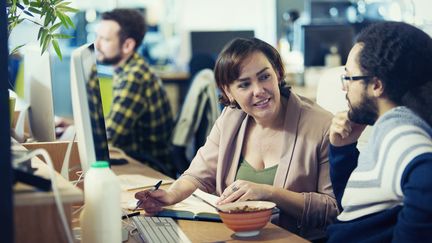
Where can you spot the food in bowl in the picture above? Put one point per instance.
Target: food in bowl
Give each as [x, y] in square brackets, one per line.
[246, 218]
[245, 208]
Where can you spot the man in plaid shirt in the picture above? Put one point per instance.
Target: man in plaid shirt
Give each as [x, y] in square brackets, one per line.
[140, 120]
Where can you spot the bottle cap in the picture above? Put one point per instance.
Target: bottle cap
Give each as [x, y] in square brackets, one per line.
[100, 164]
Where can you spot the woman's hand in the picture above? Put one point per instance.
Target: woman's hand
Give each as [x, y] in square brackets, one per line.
[343, 131]
[245, 190]
[153, 201]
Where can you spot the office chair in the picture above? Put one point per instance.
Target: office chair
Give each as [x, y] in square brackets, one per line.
[199, 112]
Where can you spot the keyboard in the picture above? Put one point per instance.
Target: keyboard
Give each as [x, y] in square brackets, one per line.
[159, 230]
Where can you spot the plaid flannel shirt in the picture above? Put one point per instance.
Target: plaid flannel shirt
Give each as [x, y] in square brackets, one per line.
[140, 120]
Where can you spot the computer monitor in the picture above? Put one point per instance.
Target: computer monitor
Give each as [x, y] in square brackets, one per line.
[38, 93]
[318, 39]
[87, 107]
[212, 42]
[6, 196]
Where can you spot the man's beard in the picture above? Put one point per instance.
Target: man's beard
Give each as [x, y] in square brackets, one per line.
[364, 113]
[110, 61]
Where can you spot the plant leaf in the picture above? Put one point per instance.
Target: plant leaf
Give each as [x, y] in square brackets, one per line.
[20, 6]
[39, 33]
[57, 48]
[46, 43]
[13, 8]
[47, 20]
[54, 27]
[62, 18]
[43, 36]
[63, 4]
[16, 49]
[34, 10]
[67, 9]
[69, 21]
[62, 36]
[28, 13]
[35, 4]
[53, 15]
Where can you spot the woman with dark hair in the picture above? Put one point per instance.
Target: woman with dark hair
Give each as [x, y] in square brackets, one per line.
[385, 191]
[263, 146]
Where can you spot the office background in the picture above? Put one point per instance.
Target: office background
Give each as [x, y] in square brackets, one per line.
[305, 32]
[295, 27]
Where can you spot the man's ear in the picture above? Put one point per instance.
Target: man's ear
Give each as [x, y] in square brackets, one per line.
[128, 46]
[377, 87]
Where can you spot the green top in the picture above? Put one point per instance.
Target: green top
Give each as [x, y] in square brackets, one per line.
[248, 173]
[100, 164]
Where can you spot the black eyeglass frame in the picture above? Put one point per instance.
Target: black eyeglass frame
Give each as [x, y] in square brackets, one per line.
[345, 78]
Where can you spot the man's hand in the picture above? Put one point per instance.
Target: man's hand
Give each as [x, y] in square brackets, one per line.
[61, 124]
[343, 131]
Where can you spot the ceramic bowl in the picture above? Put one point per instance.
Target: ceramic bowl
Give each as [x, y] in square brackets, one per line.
[246, 218]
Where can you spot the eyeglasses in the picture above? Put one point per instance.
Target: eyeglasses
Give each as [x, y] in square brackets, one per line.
[345, 79]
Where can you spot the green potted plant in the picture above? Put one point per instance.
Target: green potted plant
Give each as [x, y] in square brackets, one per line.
[48, 15]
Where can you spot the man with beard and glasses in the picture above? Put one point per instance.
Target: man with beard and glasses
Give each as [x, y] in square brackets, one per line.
[384, 192]
[140, 120]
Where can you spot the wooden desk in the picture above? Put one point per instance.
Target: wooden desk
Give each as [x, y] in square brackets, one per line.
[201, 231]
[218, 232]
[36, 217]
[173, 76]
[35, 213]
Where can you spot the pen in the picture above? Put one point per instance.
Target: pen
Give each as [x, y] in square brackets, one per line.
[154, 188]
[130, 215]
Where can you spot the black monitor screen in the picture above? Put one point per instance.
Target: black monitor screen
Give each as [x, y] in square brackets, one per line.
[317, 40]
[212, 42]
[96, 114]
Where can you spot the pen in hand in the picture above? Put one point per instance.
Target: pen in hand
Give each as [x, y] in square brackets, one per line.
[154, 188]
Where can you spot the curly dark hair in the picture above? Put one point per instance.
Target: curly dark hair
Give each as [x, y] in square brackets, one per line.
[132, 24]
[228, 64]
[400, 55]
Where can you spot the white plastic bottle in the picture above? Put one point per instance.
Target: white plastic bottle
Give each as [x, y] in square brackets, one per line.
[101, 217]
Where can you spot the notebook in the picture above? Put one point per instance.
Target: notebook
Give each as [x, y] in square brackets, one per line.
[195, 207]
